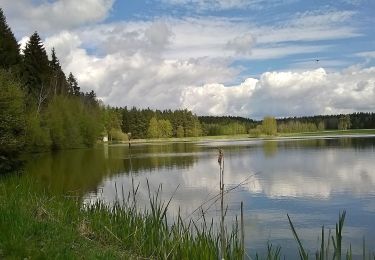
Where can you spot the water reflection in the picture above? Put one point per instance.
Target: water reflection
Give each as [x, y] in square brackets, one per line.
[270, 148]
[311, 179]
[83, 170]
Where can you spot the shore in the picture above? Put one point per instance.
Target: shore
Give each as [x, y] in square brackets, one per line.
[243, 137]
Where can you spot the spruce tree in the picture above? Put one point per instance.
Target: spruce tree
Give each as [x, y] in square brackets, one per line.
[58, 80]
[36, 72]
[90, 98]
[54, 63]
[73, 85]
[9, 48]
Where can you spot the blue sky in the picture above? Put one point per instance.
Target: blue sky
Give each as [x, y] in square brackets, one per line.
[219, 57]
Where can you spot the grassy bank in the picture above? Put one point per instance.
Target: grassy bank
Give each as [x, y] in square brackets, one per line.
[331, 133]
[247, 136]
[36, 224]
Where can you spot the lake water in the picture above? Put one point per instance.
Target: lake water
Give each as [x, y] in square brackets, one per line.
[310, 179]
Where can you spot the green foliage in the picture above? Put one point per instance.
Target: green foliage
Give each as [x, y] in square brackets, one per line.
[112, 121]
[180, 132]
[118, 135]
[331, 122]
[38, 113]
[344, 123]
[159, 128]
[59, 83]
[73, 88]
[137, 122]
[153, 129]
[12, 119]
[324, 252]
[226, 125]
[256, 132]
[36, 71]
[298, 127]
[38, 224]
[321, 126]
[165, 128]
[9, 49]
[71, 124]
[232, 128]
[269, 126]
[37, 135]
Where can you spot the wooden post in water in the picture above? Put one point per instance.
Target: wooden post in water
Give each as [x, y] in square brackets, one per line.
[242, 233]
[129, 138]
[222, 229]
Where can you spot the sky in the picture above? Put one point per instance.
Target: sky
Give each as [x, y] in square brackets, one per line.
[248, 58]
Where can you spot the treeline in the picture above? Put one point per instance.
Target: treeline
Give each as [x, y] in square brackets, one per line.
[327, 122]
[272, 126]
[226, 125]
[40, 107]
[148, 123]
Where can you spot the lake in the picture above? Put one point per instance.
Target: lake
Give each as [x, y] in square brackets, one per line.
[311, 179]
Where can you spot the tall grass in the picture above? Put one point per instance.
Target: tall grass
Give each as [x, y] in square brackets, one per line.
[37, 224]
[325, 252]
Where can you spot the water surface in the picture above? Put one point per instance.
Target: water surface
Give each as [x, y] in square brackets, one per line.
[310, 179]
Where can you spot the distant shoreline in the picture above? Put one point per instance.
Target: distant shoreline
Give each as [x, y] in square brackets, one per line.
[247, 137]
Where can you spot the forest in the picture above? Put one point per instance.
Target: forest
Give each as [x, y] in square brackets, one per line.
[43, 108]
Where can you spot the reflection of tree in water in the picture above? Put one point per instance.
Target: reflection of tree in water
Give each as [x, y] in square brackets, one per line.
[81, 171]
[270, 148]
[156, 156]
[342, 142]
[75, 171]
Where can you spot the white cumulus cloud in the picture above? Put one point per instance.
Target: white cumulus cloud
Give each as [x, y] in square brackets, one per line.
[27, 16]
[288, 94]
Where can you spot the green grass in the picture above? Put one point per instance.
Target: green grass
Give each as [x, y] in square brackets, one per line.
[247, 136]
[35, 224]
[331, 133]
[190, 139]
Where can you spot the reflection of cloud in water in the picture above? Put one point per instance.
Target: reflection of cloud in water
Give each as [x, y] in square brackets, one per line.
[315, 173]
[313, 180]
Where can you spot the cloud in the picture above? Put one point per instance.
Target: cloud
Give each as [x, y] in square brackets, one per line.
[288, 94]
[244, 39]
[241, 44]
[367, 54]
[216, 99]
[310, 26]
[204, 5]
[26, 16]
[140, 77]
[186, 63]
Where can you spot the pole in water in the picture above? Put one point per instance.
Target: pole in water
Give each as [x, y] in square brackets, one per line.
[129, 138]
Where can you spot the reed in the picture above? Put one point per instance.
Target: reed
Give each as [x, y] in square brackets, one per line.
[35, 223]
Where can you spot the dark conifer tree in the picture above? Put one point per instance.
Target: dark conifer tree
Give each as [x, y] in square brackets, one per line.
[55, 64]
[36, 71]
[58, 80]
[90, 98]
[9, 48]
[74, 89]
